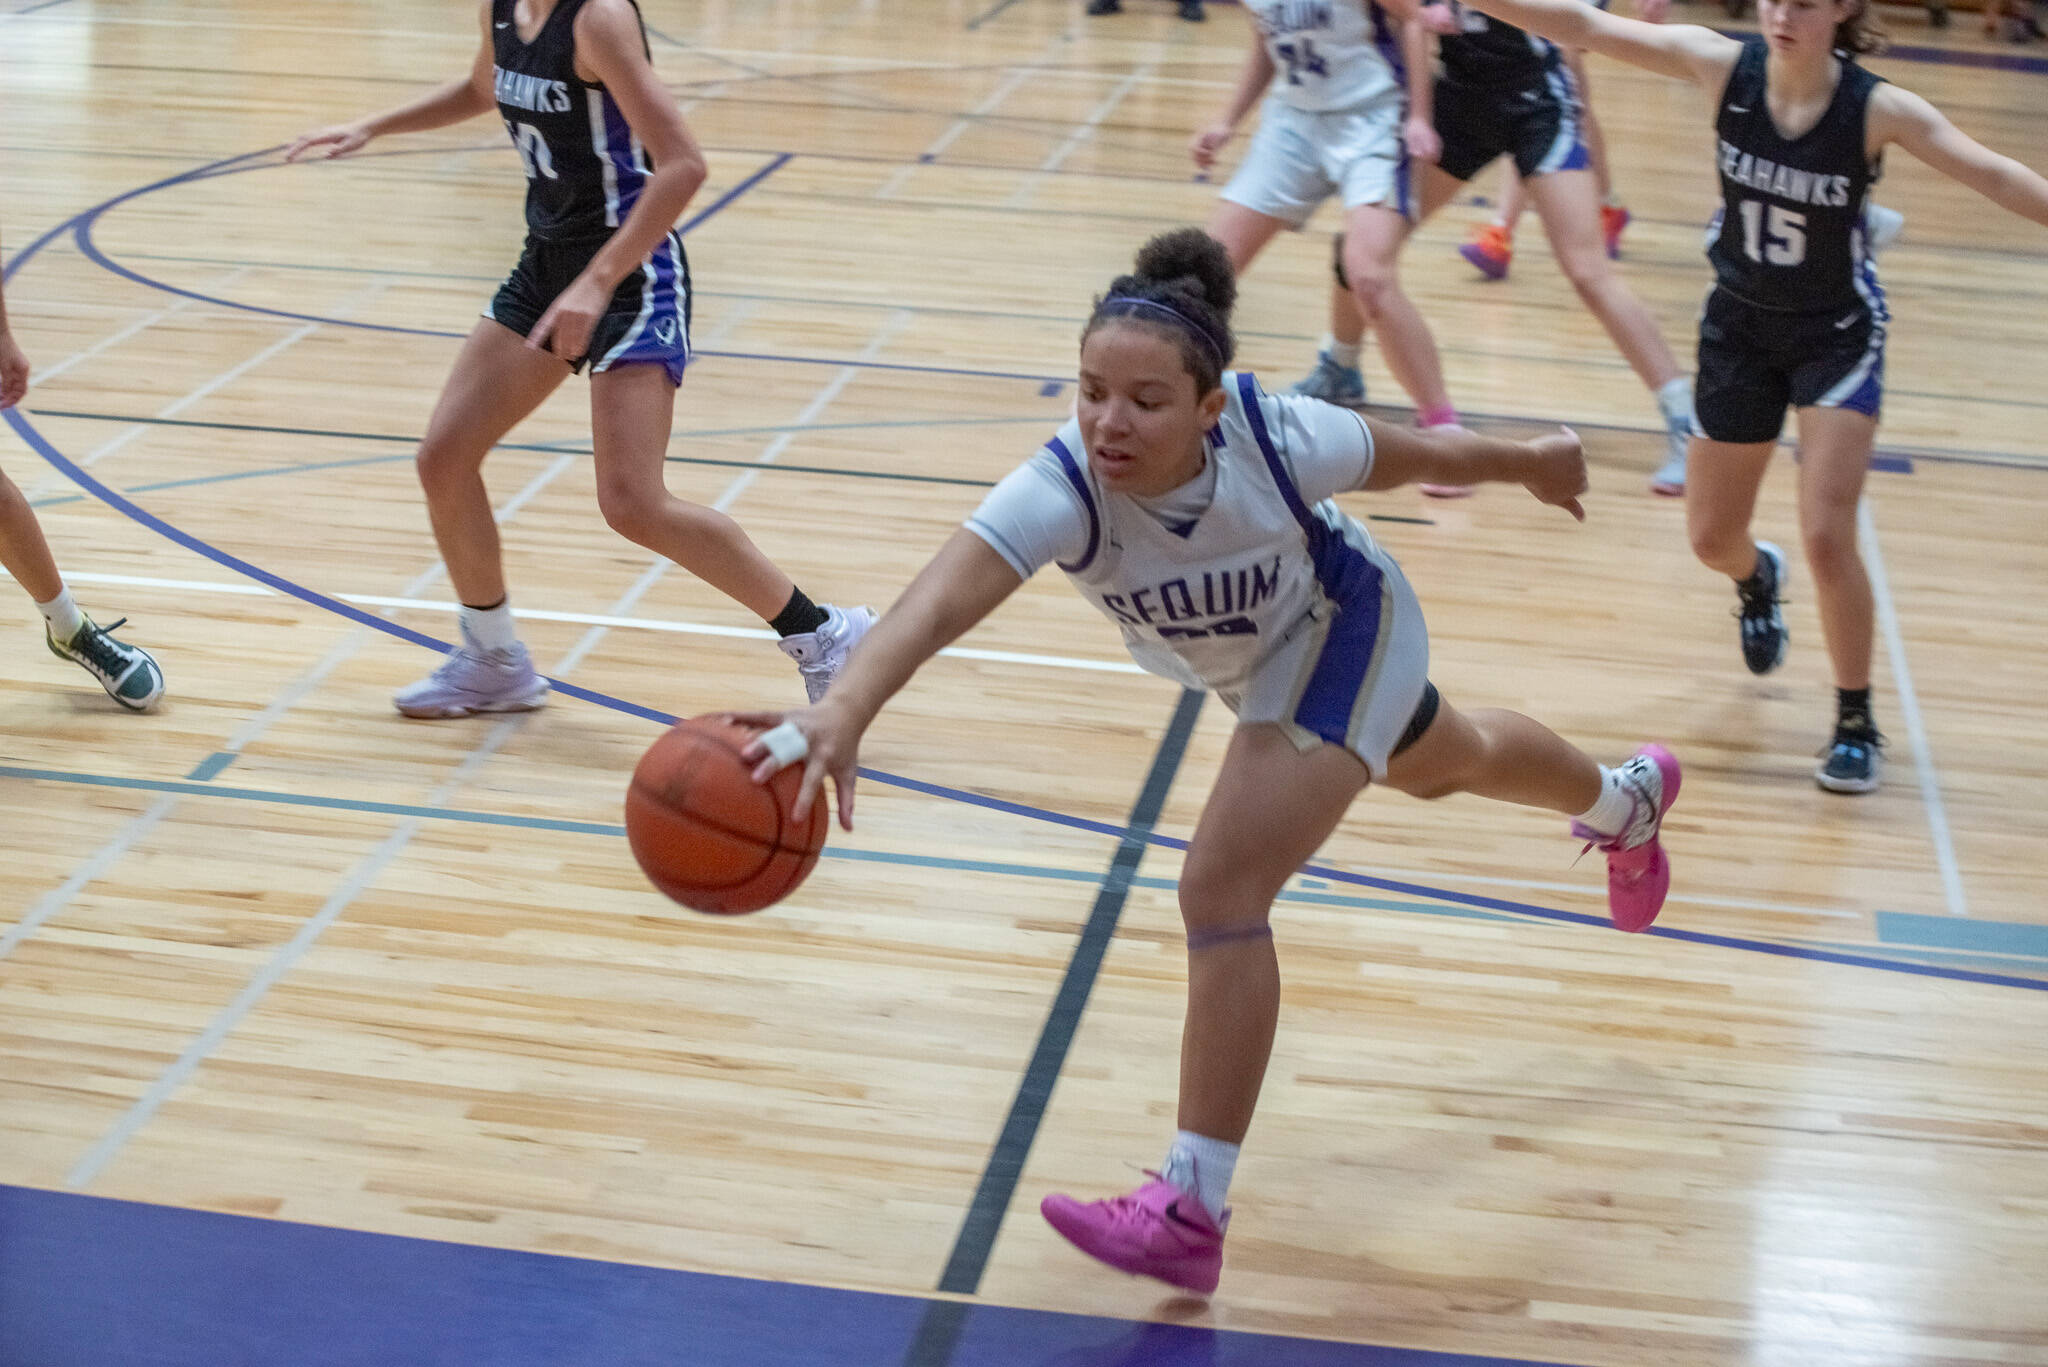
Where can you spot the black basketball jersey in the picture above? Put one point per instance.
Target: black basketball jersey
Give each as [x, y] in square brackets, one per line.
[584, 167]
[1790, 231]
[1489, 54]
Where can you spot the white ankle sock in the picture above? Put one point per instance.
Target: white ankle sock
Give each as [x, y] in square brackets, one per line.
[1674, 401]
[63, 616]
[1202, 1166]
[490, 628]
[1610, 814]
[1343, 353]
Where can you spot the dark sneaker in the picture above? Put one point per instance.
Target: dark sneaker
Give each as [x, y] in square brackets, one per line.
[130, 674]
[1105, 7]
[1332, 382]
[1191, 10]
[1763, 611]
[1854, 760]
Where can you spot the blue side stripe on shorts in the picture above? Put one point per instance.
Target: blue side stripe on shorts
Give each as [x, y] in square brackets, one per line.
[1072, 471]
[1348, 578]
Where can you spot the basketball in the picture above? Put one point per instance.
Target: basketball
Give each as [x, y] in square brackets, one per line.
[709, 836]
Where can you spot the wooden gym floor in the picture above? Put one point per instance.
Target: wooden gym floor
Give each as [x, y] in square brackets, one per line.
[276, 952]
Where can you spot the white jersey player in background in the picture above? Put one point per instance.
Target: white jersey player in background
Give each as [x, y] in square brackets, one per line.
[1338, 120]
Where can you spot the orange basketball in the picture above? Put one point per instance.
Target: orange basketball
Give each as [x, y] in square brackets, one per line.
[709, 836]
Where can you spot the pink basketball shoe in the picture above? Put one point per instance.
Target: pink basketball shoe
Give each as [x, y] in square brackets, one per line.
[1156, 1231]
[1638, 874]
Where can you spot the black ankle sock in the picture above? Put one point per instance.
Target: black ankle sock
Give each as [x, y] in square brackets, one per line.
[1759, 578]
[798, 616]
[1852, 710]
[489, 607]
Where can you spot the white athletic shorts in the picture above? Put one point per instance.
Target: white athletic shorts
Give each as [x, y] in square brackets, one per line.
[1298, 159]
[1352, 678]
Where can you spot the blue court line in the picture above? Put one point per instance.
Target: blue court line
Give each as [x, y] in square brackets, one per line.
[86, 1281]
[198, 784]
[1907, 933]
[1885, 461]
[210, 767]
[1947, 932]
[46, 4]
[83, 479]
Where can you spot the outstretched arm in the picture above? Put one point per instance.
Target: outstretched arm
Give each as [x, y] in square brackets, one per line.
[1902, 117]
[964, 583]
[1686, 51]
[1553, 468]
[450, 103]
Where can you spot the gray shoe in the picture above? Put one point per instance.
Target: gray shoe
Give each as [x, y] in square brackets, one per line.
[1332, 383]
[469, 680]
[821, 654]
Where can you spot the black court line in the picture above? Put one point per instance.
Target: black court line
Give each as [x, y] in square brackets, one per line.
[939, 1332]
[978, 20]
[581, 449]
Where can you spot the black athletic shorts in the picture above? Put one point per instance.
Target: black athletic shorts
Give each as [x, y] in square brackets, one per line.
[1755, 362]
[647, 322]
[1542, 128]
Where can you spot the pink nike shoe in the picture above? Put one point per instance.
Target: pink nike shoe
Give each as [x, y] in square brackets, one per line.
[1638, 874]
[1156, 1231]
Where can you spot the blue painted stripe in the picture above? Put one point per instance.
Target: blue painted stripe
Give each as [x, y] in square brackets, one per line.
[210, 767]
[1248, 399]
[1050, 389]
[1348, 578]
[91, 1282]
[196, 786]
[1950, 932]
[1072, 471]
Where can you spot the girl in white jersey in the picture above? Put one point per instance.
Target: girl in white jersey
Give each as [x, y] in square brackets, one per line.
[1194, 510]
[1337, 121]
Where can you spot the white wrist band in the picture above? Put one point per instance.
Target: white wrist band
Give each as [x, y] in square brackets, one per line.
[786, 745]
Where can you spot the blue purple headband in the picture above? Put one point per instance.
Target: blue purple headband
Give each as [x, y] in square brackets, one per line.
[1201, 333]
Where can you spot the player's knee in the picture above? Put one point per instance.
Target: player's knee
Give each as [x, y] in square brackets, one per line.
[1830, 543]
[442, 464]
[1713, 543]
[1587, 271]
[1216, 892]
[630, 508]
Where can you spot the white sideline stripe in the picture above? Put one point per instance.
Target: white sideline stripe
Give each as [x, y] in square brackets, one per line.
[1909, 708]
[60, 896]
[373, 600]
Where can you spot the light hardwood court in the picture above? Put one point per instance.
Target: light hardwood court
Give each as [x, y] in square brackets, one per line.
[276, 951]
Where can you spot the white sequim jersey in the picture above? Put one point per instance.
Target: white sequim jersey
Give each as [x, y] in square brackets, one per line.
[1204, 595]
[1330, 54]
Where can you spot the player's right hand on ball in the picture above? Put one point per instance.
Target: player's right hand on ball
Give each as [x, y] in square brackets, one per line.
[339, 140]
[822, 739]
